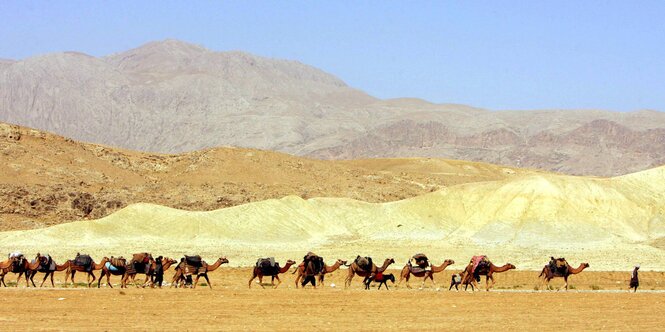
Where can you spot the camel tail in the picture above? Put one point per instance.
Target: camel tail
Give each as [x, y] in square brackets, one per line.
[542, 273]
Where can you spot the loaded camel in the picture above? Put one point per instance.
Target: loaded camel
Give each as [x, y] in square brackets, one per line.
[355, 269]
[486, 270]
[547, 274]
[18, 265]
[44, 267]
[201, 271]
[141, 262]
[407, 272]
[273, 272]
[326, 269]
[116, 267]
[73, 268]
[14, 265]
[4, 269]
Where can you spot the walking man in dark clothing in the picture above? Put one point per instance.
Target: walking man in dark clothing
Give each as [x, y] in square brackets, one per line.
[634, 281]
[159, 271]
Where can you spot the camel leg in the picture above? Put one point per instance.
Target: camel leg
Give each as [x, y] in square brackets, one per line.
[196, 281]
[321, 278]
[260, 280]
[45, 276]
[565, 279]
[250, 281]
[72, 277]
[278, 281]
[93, 278]
[207, 280]
[108, 280]
[52, 283]
[298, 277]
[408, 277]
[99, 282]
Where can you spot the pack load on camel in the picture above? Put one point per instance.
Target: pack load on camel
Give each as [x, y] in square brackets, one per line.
[479, 263]
[558, 265]
[364, 263]
[46, 263]
[418, 263]
[268, 266]
[17, 258]
[140, 263]
[313, 264]
[116, 264]
[83, 260]
[193, 265]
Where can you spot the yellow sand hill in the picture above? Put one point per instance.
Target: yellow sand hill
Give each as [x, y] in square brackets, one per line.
[608, 222]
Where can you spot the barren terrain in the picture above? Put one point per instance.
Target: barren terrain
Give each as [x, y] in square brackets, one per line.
[48, 179]
[171, 97]
[231, 306]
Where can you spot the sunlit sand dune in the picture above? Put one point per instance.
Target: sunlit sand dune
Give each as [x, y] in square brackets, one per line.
[610, 223]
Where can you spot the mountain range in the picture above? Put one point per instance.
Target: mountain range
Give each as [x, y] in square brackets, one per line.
[172, 97]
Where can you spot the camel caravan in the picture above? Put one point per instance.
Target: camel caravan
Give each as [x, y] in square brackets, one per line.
[312, 270]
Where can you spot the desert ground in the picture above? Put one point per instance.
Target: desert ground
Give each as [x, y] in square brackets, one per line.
[599, 301]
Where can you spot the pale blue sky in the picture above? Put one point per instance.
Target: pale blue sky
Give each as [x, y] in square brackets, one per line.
[491, 54]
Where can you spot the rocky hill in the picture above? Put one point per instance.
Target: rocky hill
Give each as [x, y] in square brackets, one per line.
[173, 97]
[48, 179]
[609, 223]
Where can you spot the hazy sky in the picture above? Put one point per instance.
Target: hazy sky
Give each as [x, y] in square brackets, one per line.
[491, 54]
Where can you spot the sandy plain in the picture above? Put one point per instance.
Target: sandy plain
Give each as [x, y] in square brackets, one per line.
[598, 302]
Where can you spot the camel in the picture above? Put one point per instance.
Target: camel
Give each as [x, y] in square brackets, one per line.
[141, 261]
[548, 275]
[354, 269]
[327, 269]
[406, 273]
[117, 269]
[48, 272]
[37, 266]
[6, 267]
[468, 277]
[22, 267]
[257, 272]
[206, 268]
[73, 268]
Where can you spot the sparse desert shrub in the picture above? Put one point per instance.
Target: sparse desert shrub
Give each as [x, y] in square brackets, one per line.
[595, 287]
[571, 287]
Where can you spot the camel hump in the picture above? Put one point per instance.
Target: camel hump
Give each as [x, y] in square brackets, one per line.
[268, 266]
[195, 261]
[420, 260]
[364, 263]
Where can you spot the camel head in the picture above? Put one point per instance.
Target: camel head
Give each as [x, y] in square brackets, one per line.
[169, 260]
[585, 265]
[511, 266]
[104, 260]
[290, 262]
[449, 261]
[341, 262]
[223, 260]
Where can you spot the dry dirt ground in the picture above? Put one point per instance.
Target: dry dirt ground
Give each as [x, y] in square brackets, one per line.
[232, 306]
[49, 180]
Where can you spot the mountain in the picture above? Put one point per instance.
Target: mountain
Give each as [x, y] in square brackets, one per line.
[171, 97]
[48, 179]
[609, 223]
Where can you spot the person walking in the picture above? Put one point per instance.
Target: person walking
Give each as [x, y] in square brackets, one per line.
[159, 272]
[634, 280]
